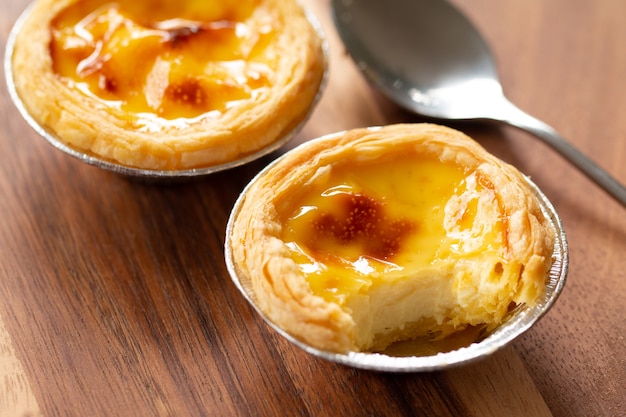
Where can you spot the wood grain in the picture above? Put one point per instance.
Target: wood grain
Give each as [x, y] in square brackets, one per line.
[115, 300]
[16, 395]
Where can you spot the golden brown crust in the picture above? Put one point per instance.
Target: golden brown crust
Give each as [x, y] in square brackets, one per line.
[90, 126]
[281, 290]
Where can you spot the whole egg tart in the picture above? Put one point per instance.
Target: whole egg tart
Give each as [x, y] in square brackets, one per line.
[368, 237]
[168, 84]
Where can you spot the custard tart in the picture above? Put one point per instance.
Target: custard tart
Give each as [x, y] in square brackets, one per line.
[168, 84]
[368, 237]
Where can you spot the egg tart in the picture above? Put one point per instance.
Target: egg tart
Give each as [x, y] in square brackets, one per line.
[168, 84]
[361, 239]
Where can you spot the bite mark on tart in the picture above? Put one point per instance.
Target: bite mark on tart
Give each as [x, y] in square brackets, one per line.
[380, 236]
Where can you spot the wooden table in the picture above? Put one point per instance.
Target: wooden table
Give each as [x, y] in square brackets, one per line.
[115, 300]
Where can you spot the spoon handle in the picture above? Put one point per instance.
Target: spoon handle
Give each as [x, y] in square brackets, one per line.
[518, 118]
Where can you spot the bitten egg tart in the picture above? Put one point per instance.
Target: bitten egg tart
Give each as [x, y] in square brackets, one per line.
[168, 84]
[362, 239]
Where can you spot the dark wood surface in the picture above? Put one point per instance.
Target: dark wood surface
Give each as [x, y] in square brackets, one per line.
[115, 300]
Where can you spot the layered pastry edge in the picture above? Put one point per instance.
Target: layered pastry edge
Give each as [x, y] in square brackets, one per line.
[91, 126]
[282, 292]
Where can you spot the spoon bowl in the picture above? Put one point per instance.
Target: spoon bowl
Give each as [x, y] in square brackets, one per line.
[426, 56]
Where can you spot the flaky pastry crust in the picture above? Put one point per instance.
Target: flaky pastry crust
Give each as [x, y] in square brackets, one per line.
[261, 256]
[294, 58]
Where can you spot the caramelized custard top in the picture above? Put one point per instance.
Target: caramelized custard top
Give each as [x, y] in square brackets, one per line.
[381, 220]
[164, 60]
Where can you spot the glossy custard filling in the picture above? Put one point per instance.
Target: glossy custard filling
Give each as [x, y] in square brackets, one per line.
[382, 221]
[167, 60]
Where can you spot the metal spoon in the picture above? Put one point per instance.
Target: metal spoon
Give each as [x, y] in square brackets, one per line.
[427, 57]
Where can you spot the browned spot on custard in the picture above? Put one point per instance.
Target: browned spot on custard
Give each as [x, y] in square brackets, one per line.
[362, 220]
[108, 84]
[174, 62]
[179, 36]
[211, 33]
[188, 92]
